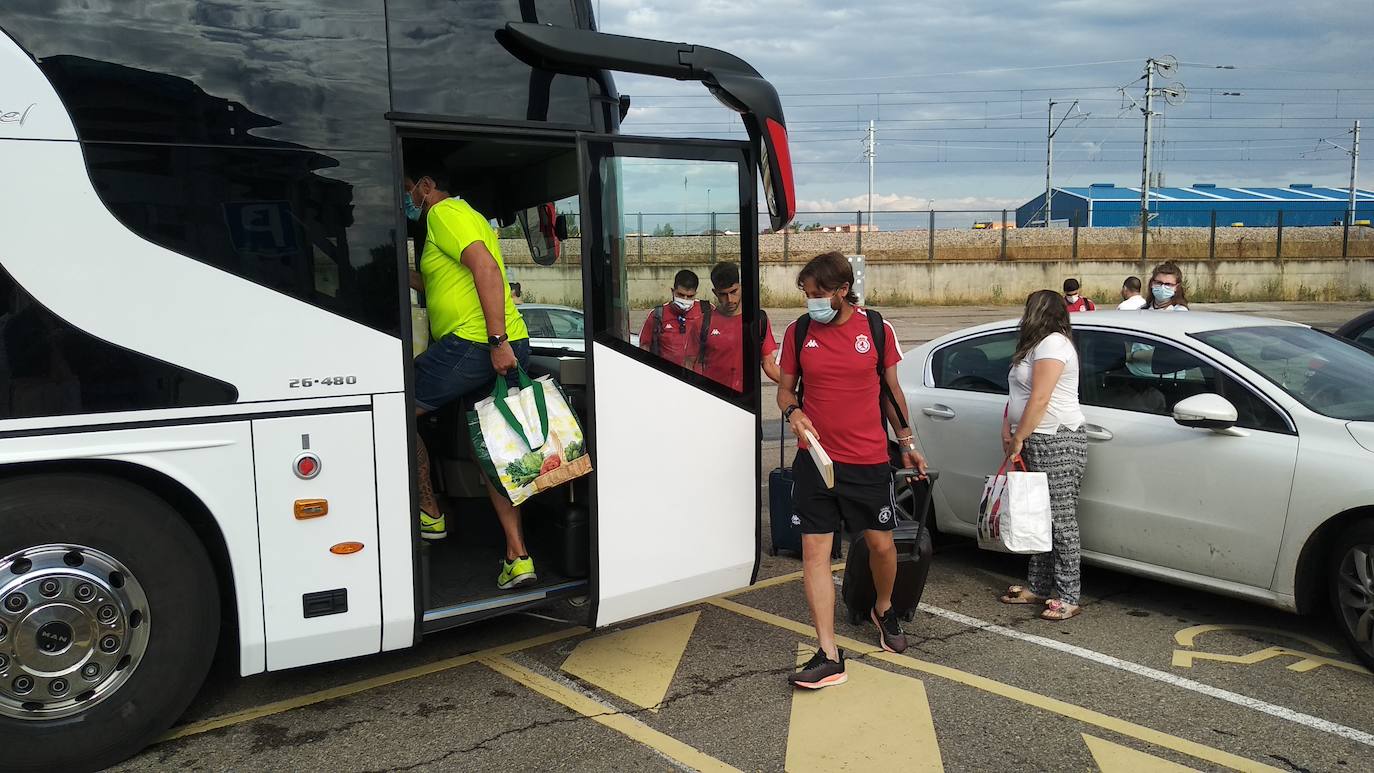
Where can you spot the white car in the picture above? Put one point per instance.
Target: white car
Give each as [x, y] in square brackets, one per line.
[1226, 452]
[556, 327]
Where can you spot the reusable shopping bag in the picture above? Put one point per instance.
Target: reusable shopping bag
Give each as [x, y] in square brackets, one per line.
[1014, 513]
[528, 439]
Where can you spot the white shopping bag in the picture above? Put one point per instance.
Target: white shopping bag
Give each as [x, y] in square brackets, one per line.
[1014, 513]
[528, 440]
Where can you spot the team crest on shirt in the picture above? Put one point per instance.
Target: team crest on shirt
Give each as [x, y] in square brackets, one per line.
[862, 344]
[885, 514]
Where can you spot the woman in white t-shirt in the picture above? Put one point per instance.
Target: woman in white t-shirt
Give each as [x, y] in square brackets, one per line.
[1166, 289]
[1044, 426]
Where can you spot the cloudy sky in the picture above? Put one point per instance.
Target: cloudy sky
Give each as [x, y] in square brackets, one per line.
[959, 90]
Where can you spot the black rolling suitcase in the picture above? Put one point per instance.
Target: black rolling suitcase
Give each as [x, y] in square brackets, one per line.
[913, 556]
[784, 522]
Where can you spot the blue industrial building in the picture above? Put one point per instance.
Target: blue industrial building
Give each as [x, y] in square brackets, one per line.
[1106, 205]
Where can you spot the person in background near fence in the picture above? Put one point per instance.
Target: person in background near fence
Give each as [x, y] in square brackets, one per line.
[844, 412]
[722, 349]
[673, 331]
[1131, 299]
[1075, 301]
[1166, 289]
[1043, 425]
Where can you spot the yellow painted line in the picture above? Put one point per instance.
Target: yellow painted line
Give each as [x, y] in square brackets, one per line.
[622, 723]
[1054, 705]
[1115, 758]
[637, 663]
[781, 579]
[879, 717]
[1188, 636]
[353, 688]
[1306, 662]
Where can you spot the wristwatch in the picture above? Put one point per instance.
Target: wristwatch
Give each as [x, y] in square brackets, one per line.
[496, 340]
[787, 414]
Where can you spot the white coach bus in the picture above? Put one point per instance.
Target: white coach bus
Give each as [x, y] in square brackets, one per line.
[206, 419]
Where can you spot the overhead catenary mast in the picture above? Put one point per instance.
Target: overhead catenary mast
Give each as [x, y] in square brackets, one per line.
[871, 153]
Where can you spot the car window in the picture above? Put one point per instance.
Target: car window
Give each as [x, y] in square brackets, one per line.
[565, 324]
[976, 364]
[1366, 338]
[1139, 374]
[537, 322]
[1325, 373]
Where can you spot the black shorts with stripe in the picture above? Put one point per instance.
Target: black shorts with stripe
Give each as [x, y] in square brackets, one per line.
[862, 497]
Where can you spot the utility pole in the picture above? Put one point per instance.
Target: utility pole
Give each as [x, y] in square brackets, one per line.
[1050, 131]
[871, 153]
[1354, 152]
[1145, 161]
[1354, 169]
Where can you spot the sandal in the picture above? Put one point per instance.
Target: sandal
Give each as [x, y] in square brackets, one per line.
[1019, 594]
[1058, 610]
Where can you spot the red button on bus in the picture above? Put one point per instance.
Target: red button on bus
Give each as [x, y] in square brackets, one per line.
[307, 466]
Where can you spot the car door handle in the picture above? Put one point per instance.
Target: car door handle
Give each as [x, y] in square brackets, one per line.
[938, 411]
[1095, 432]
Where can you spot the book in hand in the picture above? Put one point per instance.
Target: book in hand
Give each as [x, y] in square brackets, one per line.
[822, 460]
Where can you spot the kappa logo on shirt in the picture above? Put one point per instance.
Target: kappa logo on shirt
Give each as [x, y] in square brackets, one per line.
[668, 326]
[715, 332]
[811, 344]
[862, 344]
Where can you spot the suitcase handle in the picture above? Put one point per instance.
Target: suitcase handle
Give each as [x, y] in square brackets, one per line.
[912, 477]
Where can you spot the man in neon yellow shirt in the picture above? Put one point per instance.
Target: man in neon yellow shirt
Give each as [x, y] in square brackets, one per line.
[477, 333]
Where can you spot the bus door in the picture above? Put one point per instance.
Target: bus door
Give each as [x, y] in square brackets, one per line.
[675, 441]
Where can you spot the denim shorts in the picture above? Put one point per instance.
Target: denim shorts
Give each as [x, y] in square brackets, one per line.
[453, 368]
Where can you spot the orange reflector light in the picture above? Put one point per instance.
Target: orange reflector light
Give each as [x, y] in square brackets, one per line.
[311, 508]
[346, 548]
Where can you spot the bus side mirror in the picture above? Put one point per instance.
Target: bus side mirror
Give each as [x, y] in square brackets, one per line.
[544, 232]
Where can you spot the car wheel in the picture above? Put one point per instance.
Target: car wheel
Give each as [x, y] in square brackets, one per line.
[109, 616]
[1351, 582]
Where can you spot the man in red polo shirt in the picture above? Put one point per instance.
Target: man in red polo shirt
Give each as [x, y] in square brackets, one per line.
[723, 355]
[844, 411]
[673, 331]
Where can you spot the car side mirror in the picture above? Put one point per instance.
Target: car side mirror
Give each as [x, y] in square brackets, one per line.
[1205, 411]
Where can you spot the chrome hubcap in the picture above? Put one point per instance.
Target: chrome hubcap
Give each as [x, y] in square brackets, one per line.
[1356, 594]
[73, 627]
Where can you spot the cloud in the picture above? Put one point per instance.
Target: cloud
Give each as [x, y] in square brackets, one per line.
[959, 90]
[894, 202]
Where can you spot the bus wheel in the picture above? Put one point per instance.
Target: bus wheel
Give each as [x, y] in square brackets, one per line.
[109, 615]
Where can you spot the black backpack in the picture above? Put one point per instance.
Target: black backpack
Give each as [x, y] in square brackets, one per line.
[878, 332]
[705, 331]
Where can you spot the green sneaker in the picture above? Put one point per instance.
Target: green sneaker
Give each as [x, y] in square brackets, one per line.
[432, 528]
[516, 574]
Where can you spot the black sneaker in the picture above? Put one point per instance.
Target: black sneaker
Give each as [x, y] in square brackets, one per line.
[890, 633]
[819, 672]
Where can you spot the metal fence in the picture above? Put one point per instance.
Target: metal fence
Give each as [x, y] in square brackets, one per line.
[909, 235]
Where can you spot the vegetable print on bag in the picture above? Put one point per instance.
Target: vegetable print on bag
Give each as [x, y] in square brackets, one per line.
[528, 440]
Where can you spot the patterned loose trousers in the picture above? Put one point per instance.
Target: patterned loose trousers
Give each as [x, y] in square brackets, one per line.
[1063, 458]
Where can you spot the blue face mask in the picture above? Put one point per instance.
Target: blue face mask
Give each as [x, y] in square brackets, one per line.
[1162, 292]
[412, 212]
[821, 310]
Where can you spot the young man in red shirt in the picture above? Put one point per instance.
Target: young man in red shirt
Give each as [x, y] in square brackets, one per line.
[1075, 301]
[723, 350]
[844, 412]
[673, 331]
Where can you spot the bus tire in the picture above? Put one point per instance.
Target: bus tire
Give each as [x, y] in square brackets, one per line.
[112, 613]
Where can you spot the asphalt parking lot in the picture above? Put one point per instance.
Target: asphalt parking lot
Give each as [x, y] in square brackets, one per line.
[1150, 678]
